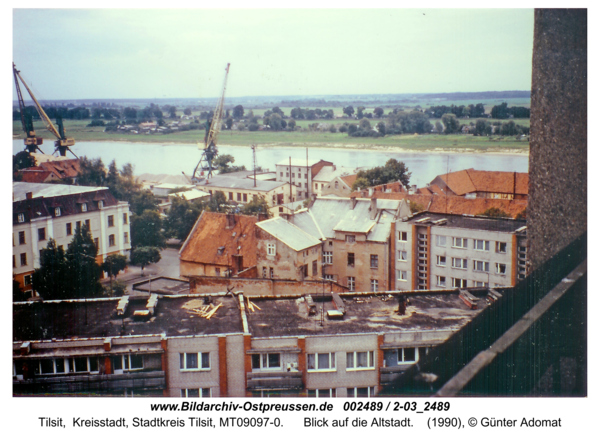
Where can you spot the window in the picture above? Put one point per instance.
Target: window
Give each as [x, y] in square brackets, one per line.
[440, 260]
[20, 218]
[336, 185]
[374, 261]
[266, 361]
[63, 366]
[280, 173]
[369, 391]
[24, 259]
[41, 234]
[111, 221]
[83, 364]
[124, 218]
[321, 361]
[84, 207]
[501, 247]
[481, 245]
[271, 273]
[87, 224]
[459, 282]
[481, 266]
[111, 240]
[357, 360]
[327, 257]
[57, 211]
[403, 236]
[194, 361]
[196, 392]
[351, 283]
[500, 268]
[21, 237]
[77, 225]
[264, 272]
[459, 263]
[306, 176]
[287, 174]
[459, 242]
[350, 238]
[408, 355]
[100, 204]
[402, 256]
[245, 197]
[97, 242]
[126, 237]
[350, 259]
[402, 275]
[440, 240]
[27, 280]
[69, 229]
[328, 277]
[321, 393]
[128, 362]
[271, 249]
[231, 196]
[440, 281]
[14, 261]
[239, 197]
[217, 272]
[305, 185]
[480, 284]
[374, 285]
[315, 269]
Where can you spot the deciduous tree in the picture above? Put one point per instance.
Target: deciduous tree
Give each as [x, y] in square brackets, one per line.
[144, 256]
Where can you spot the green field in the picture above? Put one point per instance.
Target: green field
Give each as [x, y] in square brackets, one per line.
[459, 143]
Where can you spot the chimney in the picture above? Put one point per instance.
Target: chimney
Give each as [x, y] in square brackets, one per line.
[373, 208]
[353, 200]
[29, 195]
[401, 305]
[230, 221]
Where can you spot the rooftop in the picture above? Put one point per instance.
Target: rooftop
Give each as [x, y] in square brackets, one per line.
[235, 182]
[471, 180]
[211, 241]
[299, 162]
[328, 173]
[288, 233]
[365, 313]
[20, 190]
[471, 223]
[98, 318]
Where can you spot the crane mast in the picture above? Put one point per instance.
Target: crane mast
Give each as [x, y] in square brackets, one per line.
[62, 143]
[210, 151]
[31, 141]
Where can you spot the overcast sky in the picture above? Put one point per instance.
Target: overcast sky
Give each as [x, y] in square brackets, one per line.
[76, 54]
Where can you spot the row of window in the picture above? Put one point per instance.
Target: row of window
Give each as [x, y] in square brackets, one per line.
[328, 259]
[287, 175]
[461, 282]
[478, 265]
[241, 197]
[355, 360]
[460, 242]
[368, 391]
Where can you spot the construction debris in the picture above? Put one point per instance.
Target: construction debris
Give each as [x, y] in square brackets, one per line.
[251, 306]
[197, 307]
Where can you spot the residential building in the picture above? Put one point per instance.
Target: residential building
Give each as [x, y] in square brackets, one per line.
[443, 251]
[51, 170]
[54, 211]
[326, 176]
[219, 245]
[244, 190]
[339, 186]
[319, 345]
[471, 183]
[300, 173]
[285, 251]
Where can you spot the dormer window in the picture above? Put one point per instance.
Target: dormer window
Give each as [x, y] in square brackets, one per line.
[84, 207]
[20, 218]
[100, 204]
[57, 211]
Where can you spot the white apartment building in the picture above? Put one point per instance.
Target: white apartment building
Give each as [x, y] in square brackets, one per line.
[300, 173]
[444, 251]
[54, 211]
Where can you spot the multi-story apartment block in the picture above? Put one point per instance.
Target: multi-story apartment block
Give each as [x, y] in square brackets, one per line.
[300, 173]
[230, 345]
[439, 251]
[53, 211]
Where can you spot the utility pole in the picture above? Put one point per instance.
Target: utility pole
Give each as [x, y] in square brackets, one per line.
[290, 179]
[308, 183]
[253, 147]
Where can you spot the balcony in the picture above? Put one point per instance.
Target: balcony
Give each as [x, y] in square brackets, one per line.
[90, 383]
[389, 374]
[277, 380]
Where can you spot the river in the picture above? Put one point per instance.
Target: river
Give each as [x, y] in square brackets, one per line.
[174, 158]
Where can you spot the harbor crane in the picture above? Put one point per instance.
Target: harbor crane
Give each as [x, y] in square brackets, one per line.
[62, 143]
[32, 142]
[204, 168]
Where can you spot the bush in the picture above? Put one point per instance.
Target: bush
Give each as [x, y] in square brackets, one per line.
[96, 122]
[253, 127]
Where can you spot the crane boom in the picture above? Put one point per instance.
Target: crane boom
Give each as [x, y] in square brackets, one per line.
[31, 141]
[210, 151]
[62, 143]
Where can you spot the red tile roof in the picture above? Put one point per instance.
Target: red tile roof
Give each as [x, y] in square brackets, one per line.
[211, 233]
[62, 168]
[33, 175]
[471, 180]
[349, 179]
